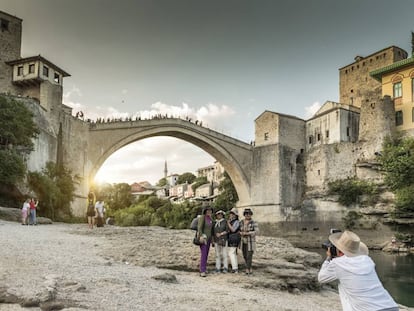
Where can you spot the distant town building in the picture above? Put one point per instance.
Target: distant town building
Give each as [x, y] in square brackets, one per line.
[213, 173]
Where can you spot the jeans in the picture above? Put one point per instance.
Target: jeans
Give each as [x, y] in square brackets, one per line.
[247, 255]
[221, 256]
[32, 217]
[233, 258]
[204, 249]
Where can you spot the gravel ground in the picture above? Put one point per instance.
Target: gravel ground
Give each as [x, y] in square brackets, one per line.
[70, 267]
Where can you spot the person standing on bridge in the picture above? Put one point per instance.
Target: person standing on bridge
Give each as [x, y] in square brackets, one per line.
[204, 231]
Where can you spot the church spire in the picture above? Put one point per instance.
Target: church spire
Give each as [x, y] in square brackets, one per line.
[165, 169]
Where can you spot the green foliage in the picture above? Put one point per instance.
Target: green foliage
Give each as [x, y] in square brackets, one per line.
[54, 188]
[350, 219]
[12, 168]
[186, 177]
[156, 212]
[162, 182]
[17, 127]
[405, 199]
[350, 189]
[397, 161]
[116, 196]
[199, 181]
[228, 197]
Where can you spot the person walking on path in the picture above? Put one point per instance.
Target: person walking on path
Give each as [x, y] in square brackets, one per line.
[32, 207]
[204, 231]
[233, 226]
[25, 212]
[248, 231]
[359, 286]
[220, 242]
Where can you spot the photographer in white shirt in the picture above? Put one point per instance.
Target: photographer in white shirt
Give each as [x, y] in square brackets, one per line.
[359, 286]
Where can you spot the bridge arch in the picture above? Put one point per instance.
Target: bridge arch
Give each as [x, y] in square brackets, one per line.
[234, 155]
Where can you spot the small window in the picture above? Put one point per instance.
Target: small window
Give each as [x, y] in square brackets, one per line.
[319, 137]
[310, 140]
[266, 136]
[398, 118]
[20, 70]
[45, 71]
[327, 133]
[397, 89]
[57, 78]
[319, 172]
[348, 131]
[412, 89]
[4, 24]
[31, 68]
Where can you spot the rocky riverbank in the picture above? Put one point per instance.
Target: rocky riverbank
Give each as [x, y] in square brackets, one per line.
[70, 267]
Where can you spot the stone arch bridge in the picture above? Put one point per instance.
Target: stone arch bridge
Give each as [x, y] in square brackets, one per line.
[255, 170]
[235, 156]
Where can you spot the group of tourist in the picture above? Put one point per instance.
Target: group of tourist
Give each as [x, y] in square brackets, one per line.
[359, 286]
[29, 212]
[227, 236]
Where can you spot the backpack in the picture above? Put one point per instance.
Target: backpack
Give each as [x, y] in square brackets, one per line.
[194, 223]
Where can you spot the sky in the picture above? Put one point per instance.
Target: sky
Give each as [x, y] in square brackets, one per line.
[220, 61]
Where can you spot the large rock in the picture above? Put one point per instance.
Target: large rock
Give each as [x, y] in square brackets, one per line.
[15, 214]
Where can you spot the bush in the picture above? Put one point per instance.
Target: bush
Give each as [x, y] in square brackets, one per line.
[350, 219]
[350, 189]
[405, 199]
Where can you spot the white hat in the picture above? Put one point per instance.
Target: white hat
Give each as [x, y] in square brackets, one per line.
[221, 212]
[349, 243]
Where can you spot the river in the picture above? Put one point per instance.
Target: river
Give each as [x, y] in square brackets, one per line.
[396, 273]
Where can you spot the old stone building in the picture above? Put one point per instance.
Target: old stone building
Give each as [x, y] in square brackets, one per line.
[355, 79]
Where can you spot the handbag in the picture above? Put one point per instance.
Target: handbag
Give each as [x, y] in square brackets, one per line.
[196, 239]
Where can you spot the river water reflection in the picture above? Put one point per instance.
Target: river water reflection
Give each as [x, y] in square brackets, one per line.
[396, 273]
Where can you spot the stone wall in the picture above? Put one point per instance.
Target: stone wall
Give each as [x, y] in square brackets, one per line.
[354, 79]
[10, 39]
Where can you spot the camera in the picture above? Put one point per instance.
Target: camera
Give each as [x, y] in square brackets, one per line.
[328, 244]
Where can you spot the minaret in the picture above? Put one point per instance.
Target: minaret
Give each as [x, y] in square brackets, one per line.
[165, 170]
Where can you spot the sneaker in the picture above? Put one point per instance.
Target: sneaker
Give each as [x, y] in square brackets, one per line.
[217, 271]
[225, 270]
[235, 271]
[203, 274]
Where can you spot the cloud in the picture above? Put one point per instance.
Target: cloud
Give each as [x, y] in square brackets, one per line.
[311, 110]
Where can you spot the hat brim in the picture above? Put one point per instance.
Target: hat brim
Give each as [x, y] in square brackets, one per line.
[334, 238]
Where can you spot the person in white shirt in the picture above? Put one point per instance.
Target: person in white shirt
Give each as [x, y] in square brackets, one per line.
[100, 211]
[359, 286]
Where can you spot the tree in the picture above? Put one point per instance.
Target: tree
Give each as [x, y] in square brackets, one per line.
[198, 182]
[397, 159]
[116, 196]
[228, 197]
[17, 129]
[162, 182]
[186, 178]
[55, 189]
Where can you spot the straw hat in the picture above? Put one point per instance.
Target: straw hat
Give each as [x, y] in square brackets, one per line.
[349, 243]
